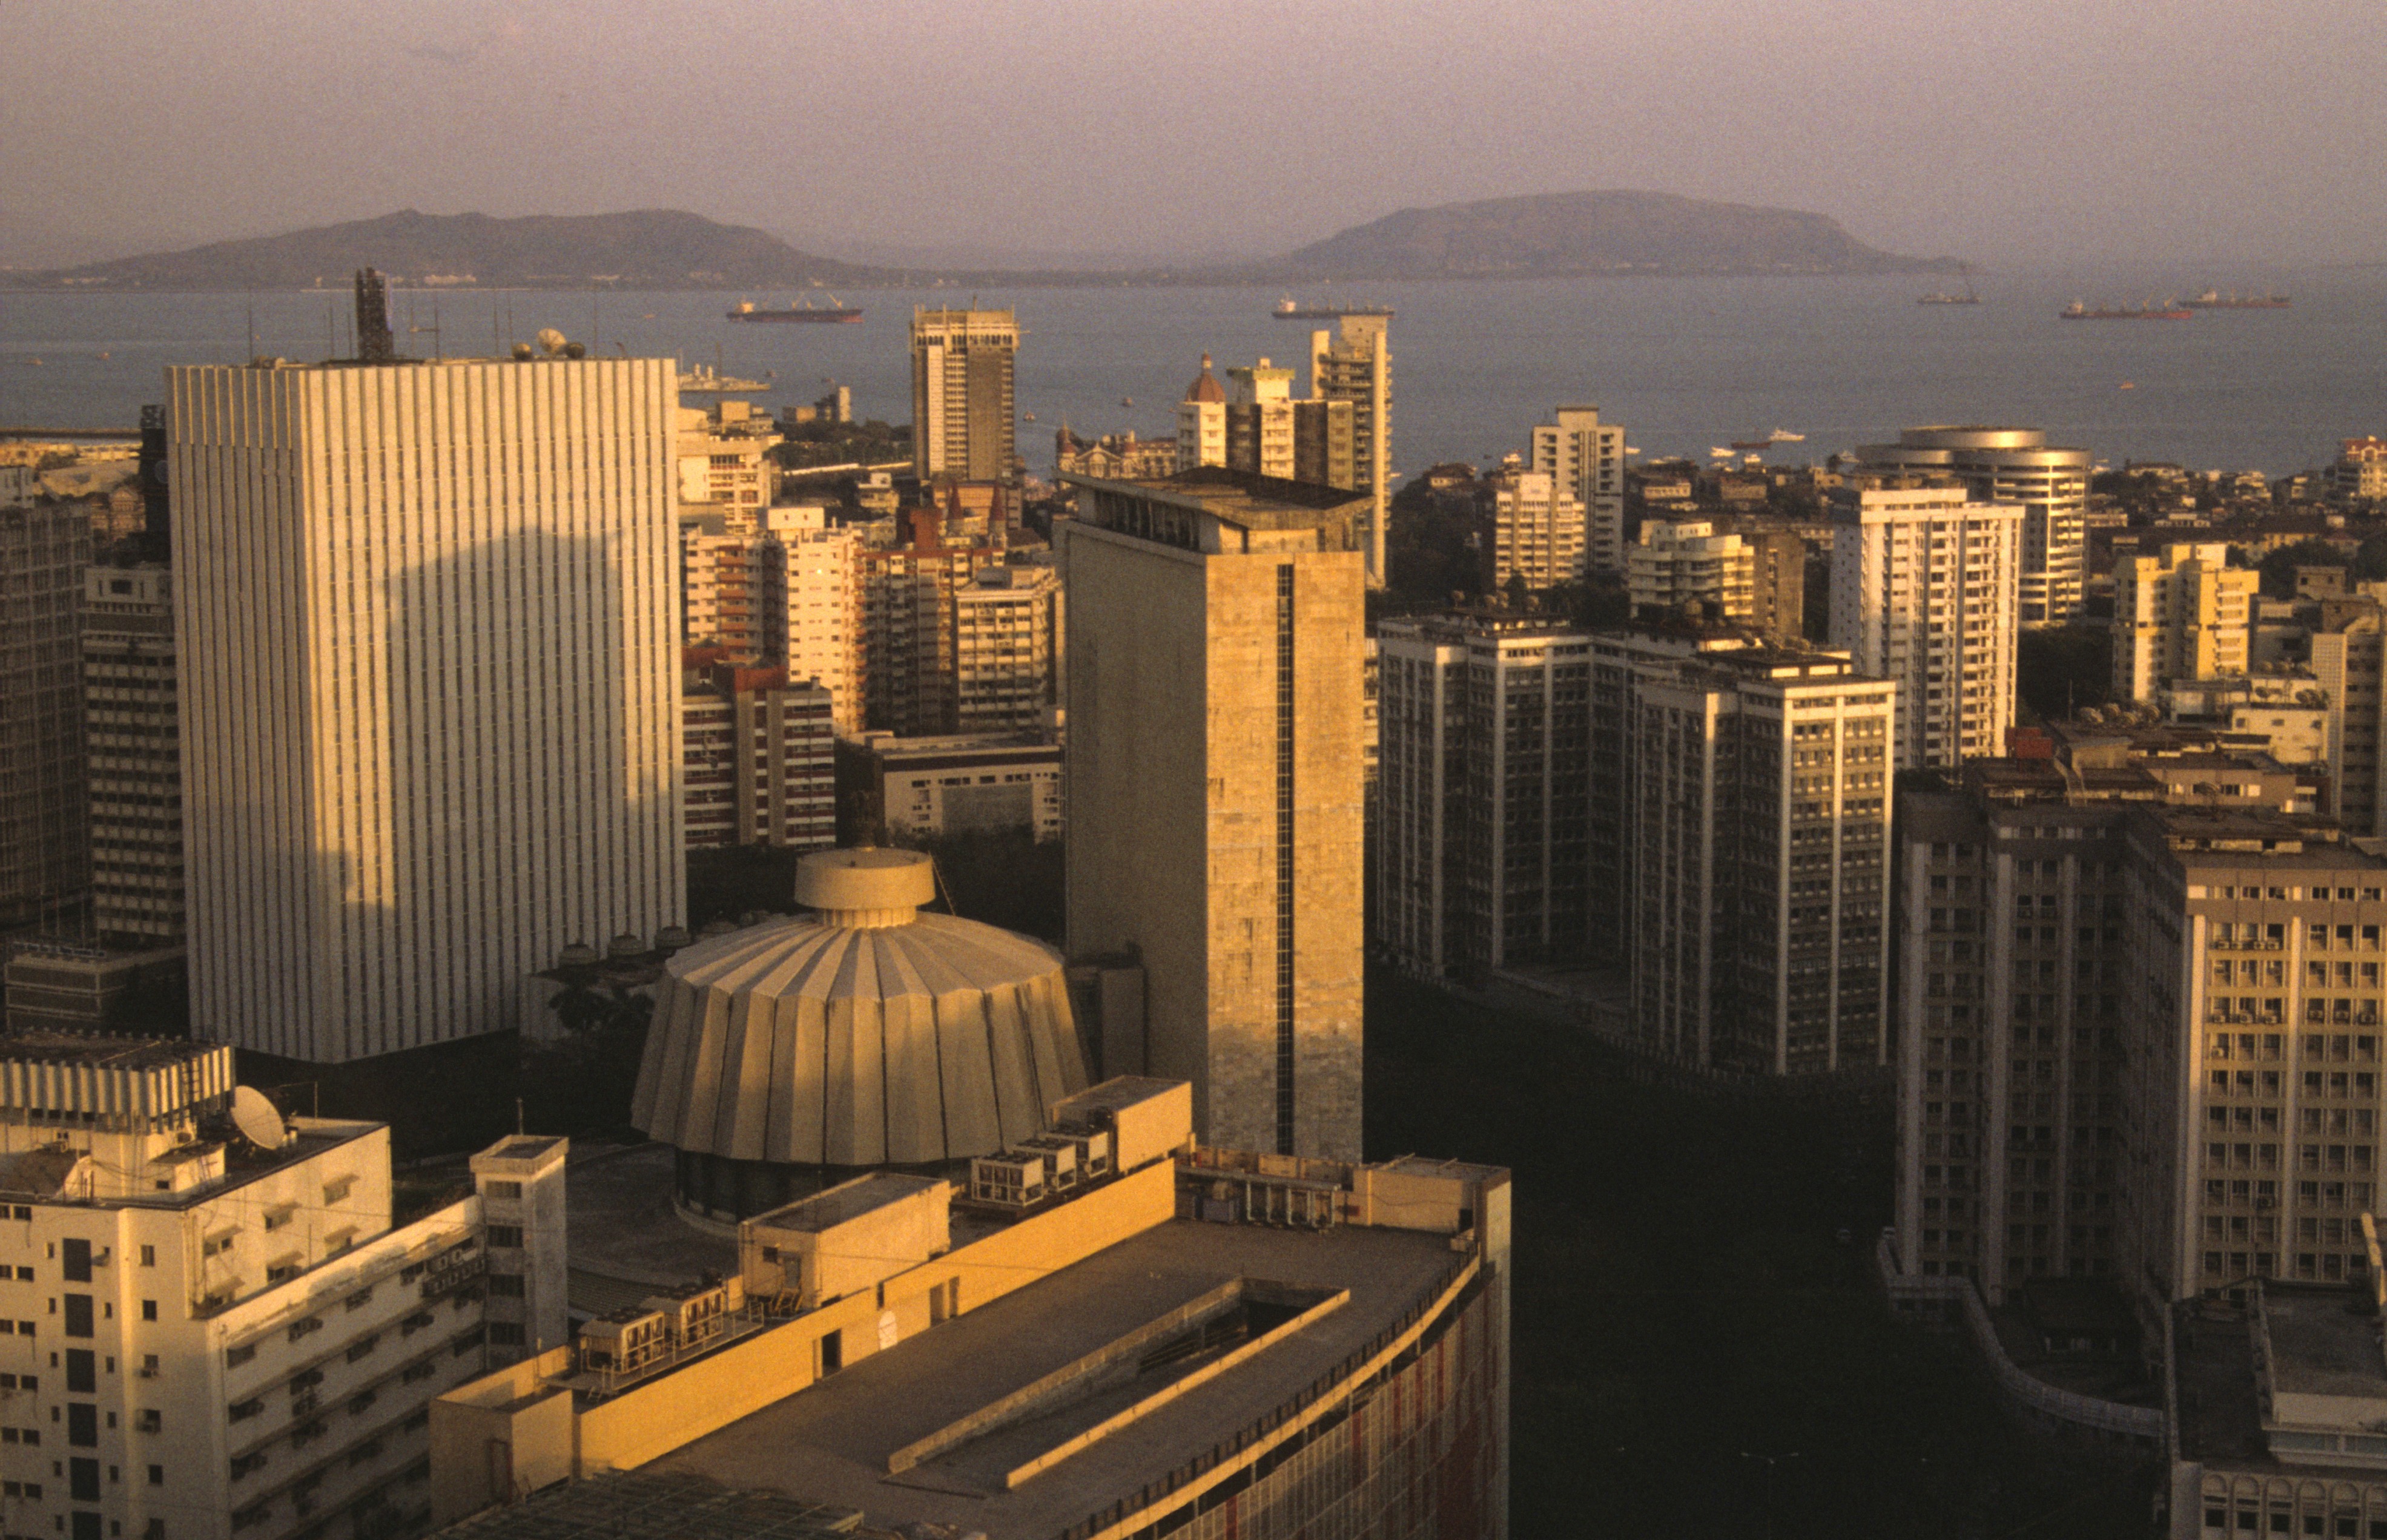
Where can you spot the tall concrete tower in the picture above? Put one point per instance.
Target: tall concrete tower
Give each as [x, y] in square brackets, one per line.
[1214, 765]
[1354, 364]
[962, 393]
[430, 688]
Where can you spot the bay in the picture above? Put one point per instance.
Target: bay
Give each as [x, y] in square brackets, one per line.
[1684, 363]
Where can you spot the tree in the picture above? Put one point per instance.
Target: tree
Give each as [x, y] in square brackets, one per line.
[2279, 567]
[2062, 669]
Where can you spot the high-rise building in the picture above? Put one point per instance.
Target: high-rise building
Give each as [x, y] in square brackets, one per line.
[2018, 466]
[1482, 797]
[1587, 457]
[1754, 800]
[245, 1339]
[45, 831]
[430, 687]
[720, 605]
[758, 760]
[1923, 593]
[810, 584]
[2349, 665]
[1007, 649]
[1684, 565]
[909, 674]
[962, 394]
[1532, 532]
[2185, 614]
[1265, 430]
[133, 734]
[724, 454]
[1354, 363]
[2140, 983]
[1214, 787]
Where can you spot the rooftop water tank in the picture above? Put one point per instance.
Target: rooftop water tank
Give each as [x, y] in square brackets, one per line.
[865, 1034]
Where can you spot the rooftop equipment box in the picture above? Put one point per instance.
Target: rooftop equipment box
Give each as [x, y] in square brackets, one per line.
[1148, 1118]
[852, 1237]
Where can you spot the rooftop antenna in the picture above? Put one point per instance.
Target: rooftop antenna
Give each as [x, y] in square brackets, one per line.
[374, 344]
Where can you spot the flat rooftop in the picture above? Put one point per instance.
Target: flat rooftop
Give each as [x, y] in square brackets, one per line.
[634, 1505]
[2324, 1342]
[831, 1444]
[846, 1201]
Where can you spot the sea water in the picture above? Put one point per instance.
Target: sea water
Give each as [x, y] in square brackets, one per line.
[1687, 364]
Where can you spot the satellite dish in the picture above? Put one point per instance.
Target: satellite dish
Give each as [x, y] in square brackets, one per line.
[257, 1120]
[551, 341]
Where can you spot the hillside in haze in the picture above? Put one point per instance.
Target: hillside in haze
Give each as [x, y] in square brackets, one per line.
[1548, 235]
[1557, 235]
[656, 249]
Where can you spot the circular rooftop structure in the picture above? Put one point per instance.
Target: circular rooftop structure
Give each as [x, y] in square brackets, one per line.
[795, 1053]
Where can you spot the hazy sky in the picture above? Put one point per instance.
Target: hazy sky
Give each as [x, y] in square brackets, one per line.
[2048, 131]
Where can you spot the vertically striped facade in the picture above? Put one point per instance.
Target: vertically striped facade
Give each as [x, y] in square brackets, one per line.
[430, 688]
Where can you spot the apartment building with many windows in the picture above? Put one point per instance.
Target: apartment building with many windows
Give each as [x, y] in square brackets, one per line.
[1923, 593]
[2183, 615]
[2049, 483]
[132, 749]
[1532, 532]
[1587, 458]
[219, 1325]
[1007, 649]
[1482, 793]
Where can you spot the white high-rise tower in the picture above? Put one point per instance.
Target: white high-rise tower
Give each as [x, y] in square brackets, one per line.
[430, 688]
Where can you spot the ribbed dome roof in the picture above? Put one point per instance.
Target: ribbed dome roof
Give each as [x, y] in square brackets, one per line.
[1206, 387]
[859, 1036]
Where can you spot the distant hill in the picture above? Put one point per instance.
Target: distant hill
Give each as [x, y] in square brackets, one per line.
[1548, 235]
[655, 248]
[1559, 234]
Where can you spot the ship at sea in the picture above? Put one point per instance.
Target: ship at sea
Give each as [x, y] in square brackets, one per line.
[2168, 310]
[2213, 299]
[1759, 446]
[807, 310]
[1287, 311]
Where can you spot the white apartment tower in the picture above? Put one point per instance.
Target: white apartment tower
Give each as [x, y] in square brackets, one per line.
[1354, 363]
[1535, 531]
[2183, 615]
[1923, 593]
[2012, 465]
[1684, 562]
[430, 688]
[962, 392]
[811, 590]
[219, 1327]
[1587, 458]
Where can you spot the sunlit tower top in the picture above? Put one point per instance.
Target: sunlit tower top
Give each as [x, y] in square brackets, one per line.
[963, 399]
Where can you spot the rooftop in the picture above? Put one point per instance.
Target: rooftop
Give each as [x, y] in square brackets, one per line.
[635, 1505]
[833, 1443]
[846, 1201]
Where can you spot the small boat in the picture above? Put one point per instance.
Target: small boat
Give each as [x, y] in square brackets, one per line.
[1027, 417]
[1941, 296]
[832, 311]
[1784, 436]
[1720, 454]
[1752, 446]
[1127, 401]
[2128, 385]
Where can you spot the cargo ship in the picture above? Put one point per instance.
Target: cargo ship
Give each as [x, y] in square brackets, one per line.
[2213, 299]
[2168, 310]
[1287, 311]
[832, 311]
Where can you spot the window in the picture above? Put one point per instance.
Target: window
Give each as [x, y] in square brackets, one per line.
[505, 1189]
[74, 1263]
[505, 1285]
[148, 1257]
[79, 1315]
[505, 1235]
[338, 1188]
[505, 1333]
[148, 1310]
[157, 1475]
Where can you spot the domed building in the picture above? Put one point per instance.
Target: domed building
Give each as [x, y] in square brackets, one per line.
[794, 1053]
